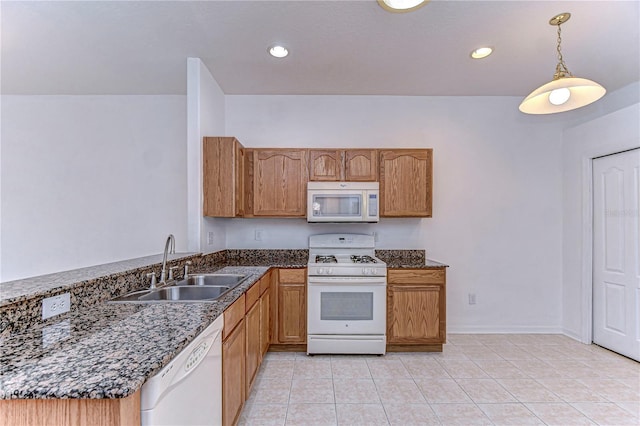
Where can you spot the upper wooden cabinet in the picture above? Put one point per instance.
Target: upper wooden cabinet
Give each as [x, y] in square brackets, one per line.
[277, 179]
[243, 182]
[223, 177]
[343, 165]
[406, 182]
[361, 165]
[325, 165]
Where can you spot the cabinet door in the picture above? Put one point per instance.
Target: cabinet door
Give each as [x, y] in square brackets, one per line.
[325, 165]
[405, 183]
[265, 322]
[223, 177]
[361, 165]
[253, 349]
[233, 375]
[413, 314]
[279, 182]
[291, 306]
[292, 313]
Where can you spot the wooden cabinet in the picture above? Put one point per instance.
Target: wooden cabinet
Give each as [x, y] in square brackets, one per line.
[406, 182]
[265, 314]
[277, 179]
[343, 165]
[233, 362]
[361, 165]
[292, 306]
[416, 309]
[242, 182]
[325, 165]
[71, 412]
[246, 338]
[253, 349]
[223, 177]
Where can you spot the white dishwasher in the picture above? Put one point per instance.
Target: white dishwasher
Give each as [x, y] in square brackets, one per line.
[188, 390]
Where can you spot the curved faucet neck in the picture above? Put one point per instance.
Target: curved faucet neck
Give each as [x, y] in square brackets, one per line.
[169, 247]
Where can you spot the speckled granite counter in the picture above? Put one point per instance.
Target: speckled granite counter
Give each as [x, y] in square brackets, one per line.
[107, 351]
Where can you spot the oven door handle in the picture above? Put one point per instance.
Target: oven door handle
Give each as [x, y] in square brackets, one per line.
[377, 281]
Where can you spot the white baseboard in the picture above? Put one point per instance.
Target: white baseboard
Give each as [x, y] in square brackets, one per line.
[501, 329]
[574, 335]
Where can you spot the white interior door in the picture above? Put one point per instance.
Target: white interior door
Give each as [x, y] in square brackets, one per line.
[616, 253]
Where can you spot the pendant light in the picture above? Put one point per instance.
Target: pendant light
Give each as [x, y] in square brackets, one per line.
[565, 92]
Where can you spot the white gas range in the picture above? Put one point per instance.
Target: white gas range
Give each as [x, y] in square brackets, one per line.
[346, 295]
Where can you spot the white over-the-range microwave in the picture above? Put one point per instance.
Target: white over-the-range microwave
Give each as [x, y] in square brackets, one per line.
[343, 201]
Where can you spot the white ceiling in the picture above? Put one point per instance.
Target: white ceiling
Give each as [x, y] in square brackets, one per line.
[337, 47]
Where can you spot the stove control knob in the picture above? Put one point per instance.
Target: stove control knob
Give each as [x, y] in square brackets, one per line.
[320, 271]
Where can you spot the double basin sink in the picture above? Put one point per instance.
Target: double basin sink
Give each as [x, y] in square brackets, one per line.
[194, 288]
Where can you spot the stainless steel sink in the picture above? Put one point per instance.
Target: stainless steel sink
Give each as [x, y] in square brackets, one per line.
[229, 280]
[186, 294]
[194, 288]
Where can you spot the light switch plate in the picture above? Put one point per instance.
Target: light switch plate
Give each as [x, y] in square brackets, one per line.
[56, 305]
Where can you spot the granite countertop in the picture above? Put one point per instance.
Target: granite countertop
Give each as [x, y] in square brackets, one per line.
[428, 264]
[23, 289]
[107, 351]
[110, 350]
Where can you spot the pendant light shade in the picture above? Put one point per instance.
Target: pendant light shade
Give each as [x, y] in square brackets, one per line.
[580, 90]
[565, 92]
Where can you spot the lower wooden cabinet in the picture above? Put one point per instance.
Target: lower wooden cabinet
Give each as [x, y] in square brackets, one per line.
[71, 412]
[292, 306]
[265, 321]
[233, 374]
[253, 350]
[246, 339]
[416, 309]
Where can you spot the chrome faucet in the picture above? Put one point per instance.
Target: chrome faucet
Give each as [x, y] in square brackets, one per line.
[169, 247]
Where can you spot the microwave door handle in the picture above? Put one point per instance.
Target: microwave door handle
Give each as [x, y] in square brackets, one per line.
[365, 206]
[366, 215]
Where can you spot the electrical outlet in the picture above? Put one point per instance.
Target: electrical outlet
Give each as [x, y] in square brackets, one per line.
[210, 238]
[258, 234]
[472, 298]
[376, 237]
[56, 305]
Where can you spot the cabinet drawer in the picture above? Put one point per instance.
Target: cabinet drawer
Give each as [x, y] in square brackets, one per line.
[416, 276]
[292, 276]
[233, 315]
[251, 296]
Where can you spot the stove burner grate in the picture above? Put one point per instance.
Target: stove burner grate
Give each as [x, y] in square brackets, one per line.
[326, 258]
[363, 259]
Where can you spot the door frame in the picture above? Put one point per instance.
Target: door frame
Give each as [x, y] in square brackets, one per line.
[586, 335]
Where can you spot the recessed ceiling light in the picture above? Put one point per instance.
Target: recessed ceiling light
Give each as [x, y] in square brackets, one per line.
[481, 52]
[278, 51]
[402, 5]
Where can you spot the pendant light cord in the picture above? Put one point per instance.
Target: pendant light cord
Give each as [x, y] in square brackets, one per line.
[561, 68]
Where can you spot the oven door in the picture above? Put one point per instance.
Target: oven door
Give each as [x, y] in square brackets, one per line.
[346, 305]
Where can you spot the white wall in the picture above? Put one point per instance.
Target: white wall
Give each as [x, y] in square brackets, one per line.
[89, 180]
[206, 117]
[615, 132]
[497, 216]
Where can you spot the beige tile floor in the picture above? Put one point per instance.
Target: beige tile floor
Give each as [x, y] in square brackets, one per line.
[478, 379]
